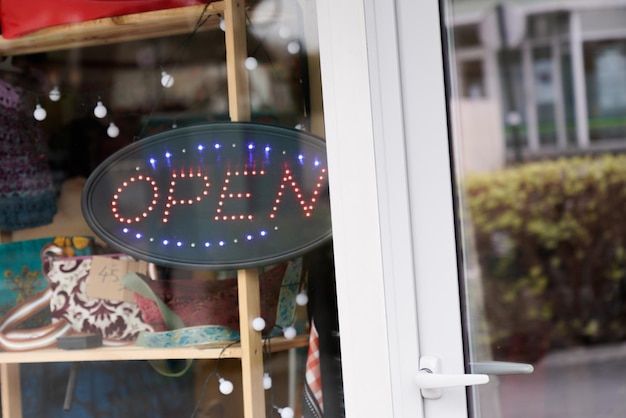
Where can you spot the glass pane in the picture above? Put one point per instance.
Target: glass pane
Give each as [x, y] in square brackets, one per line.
[605, 66]
[471, 76]
[511, 82]
[542, 236]
[71, 101]
[568, 93]
[545, 95]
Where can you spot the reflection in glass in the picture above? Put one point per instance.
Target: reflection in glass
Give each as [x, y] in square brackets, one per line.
[543, 237]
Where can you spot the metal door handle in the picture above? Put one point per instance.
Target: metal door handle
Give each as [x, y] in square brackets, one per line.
[431, 382]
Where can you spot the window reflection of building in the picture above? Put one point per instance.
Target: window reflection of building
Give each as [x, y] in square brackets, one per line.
[568, 74]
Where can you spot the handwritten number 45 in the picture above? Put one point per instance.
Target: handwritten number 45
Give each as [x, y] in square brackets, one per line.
[109, 274]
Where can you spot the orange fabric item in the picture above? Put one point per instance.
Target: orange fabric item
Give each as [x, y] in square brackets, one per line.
[18, 17]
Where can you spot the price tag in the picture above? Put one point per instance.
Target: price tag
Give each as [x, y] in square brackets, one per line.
[105, 278]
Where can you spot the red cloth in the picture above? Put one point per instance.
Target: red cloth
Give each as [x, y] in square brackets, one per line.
[18, 17]
[210, 302]
[313, 373]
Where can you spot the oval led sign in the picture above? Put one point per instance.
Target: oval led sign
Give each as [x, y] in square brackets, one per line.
[215, 196]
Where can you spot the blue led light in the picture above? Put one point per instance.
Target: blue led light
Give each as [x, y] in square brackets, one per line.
[316, 162]
[218, 146]
[263, 233]
[125, 230]
[168, 154]
[267, 148]
[300, 157]
[179, 244]
[249, 237]
[250, 146]
[137, 235]
[152, 161]
[200, 147]
[165, 242]
[222, 243]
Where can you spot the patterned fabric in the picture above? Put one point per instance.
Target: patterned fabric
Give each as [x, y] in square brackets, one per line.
[289, 289]
[313, 397]
[186, 337]
[323, 387]
[22, 276]
[210, 302]
[118, 321]
[27, 195]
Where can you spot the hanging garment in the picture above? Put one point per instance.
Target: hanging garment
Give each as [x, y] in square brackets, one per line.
[27, 195]
[323, 385]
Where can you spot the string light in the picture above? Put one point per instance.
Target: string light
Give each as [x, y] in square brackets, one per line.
[100, 111]
[290, 333]
[167, 80]
[113, 131]
[293, 47]
[55, 94]
[251, 63]
[222, 24]
[39, 113]
[286, 412]
[258, 324]
[226, 386]
[302, 299]
[267, 381]
[284, 32]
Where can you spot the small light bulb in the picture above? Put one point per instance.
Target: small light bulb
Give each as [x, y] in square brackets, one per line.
[267, 381]
[258, 324]
[113, 131]
[290, 333]
[251, 63]
[286, 412]
[100, 111]
[54, 94]
[40, 113]
[226, 386]
[293, 47]
[284, 32]
[167, 80]
[302, 299]
[222, 24]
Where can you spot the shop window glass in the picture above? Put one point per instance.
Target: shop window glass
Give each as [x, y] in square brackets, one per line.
[545, 95]
[605, 71]
[126, 77]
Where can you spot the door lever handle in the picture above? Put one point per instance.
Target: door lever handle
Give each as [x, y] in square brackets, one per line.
[501, 367]
[431, 382]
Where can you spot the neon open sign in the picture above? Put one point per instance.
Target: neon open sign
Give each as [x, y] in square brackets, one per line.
[214, 196]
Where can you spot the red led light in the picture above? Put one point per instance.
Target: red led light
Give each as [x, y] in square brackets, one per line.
[120, 190]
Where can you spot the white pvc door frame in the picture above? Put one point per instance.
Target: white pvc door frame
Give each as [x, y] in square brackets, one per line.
[391, 197]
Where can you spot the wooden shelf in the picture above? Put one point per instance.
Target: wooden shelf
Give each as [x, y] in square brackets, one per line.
[131, 352]
[113, 30]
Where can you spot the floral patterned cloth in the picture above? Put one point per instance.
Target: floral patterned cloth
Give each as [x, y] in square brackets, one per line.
[114, 320]
[22, 274]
